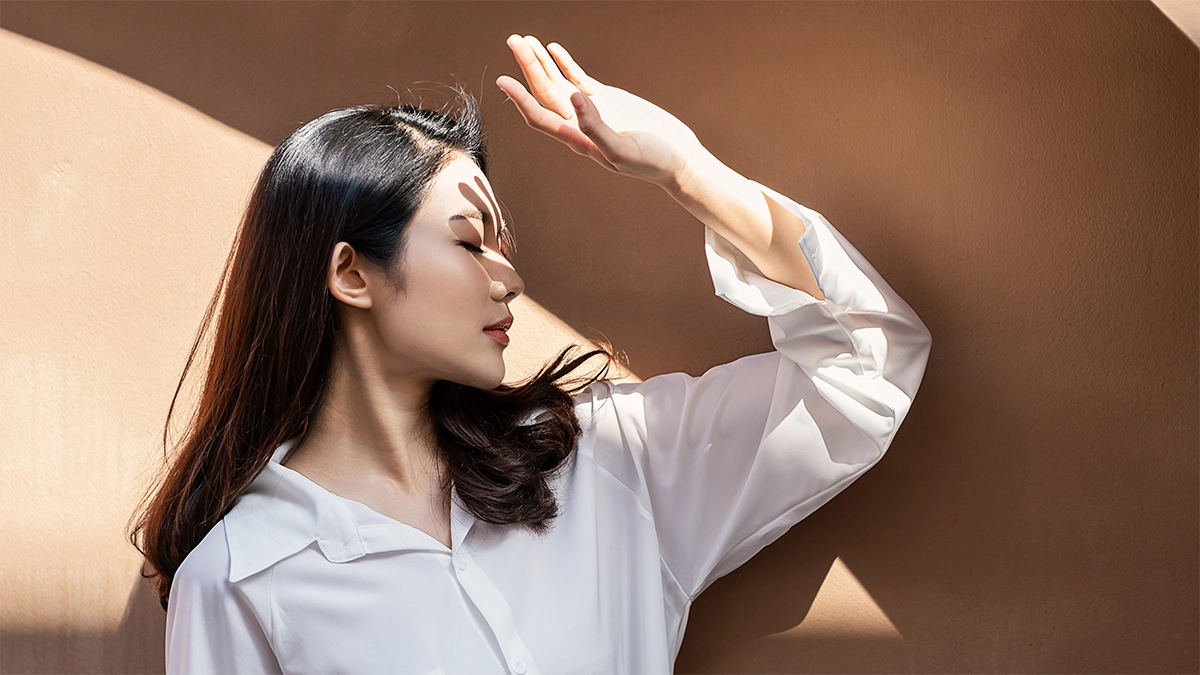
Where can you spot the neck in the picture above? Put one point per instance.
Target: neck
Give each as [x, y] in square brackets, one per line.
[371, 429]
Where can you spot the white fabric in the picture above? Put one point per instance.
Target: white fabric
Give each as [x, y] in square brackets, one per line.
[677, 481]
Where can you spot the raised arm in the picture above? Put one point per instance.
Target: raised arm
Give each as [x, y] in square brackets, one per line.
[631, 136]
[726, 462]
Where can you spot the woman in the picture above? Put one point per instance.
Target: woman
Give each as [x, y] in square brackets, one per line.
[357, 493]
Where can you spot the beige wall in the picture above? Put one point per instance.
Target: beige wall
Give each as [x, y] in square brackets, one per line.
[1024, 174]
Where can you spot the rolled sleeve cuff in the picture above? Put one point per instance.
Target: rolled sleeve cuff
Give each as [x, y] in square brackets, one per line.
[739, 281]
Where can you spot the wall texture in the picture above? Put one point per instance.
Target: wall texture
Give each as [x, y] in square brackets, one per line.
[1025, 174]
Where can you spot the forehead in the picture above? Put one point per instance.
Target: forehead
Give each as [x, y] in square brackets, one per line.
[459, 185]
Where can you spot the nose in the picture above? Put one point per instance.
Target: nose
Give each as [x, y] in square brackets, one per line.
[506, 283]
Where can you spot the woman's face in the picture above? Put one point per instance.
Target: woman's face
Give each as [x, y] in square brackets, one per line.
[455, 284]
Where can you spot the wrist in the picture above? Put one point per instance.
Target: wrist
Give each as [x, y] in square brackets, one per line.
[697, 170]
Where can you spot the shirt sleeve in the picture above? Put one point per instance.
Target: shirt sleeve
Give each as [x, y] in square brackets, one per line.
[726, 462]
[211, 627]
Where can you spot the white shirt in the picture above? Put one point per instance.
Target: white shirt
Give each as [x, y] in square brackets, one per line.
[677, 481]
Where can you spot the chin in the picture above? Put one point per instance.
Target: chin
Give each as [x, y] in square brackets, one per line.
[496, 381]
[485, 380]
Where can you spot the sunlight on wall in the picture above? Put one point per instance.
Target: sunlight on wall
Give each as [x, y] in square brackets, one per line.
[536, 333]
[1183, 13]
[120, 206]
[842, 609]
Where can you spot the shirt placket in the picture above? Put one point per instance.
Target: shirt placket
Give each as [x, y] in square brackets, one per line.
[488, 599]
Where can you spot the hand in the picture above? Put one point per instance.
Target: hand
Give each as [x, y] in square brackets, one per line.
[622, 132]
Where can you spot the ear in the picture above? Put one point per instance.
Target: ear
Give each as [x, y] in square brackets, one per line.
[349, 276]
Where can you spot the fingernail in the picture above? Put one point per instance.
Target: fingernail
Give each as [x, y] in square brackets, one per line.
[577, 100]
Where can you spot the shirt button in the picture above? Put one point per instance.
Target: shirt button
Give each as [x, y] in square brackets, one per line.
[518, 666]
[461, 564]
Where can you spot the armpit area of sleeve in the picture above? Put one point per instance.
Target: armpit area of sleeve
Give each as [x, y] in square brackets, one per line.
[739, 281]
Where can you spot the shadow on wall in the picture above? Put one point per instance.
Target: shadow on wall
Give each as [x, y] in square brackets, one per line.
[1024, 174]
[136, 646]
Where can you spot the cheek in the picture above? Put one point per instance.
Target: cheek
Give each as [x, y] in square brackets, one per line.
[443, 298]
[454, 279]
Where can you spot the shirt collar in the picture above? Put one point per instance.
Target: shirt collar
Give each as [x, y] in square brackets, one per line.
[282, 513]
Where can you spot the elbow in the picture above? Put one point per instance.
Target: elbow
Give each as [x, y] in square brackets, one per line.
[909, 362]
[905, 383]
[922, 347]
[920, 359]
[924, 338]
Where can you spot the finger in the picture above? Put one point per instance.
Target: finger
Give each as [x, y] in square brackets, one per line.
[546, 91]
[555, 93]
[548, 64]
[531, 67]
[612, 145]
[572, 71]
[535, 115]
[545, 121]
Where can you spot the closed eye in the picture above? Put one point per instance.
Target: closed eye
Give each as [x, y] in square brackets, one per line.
[471, 247]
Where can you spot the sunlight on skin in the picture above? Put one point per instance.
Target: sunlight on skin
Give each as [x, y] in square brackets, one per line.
[842, 609]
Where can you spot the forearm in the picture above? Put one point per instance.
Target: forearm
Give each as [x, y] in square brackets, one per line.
[766, 232]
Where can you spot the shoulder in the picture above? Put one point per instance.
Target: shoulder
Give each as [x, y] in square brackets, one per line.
[669, 395]
[206, 568]
[213, 625]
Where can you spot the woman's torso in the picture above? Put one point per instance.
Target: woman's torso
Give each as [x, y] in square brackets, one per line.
[372, 594]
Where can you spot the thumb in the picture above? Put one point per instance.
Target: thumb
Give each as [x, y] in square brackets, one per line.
[609, 142]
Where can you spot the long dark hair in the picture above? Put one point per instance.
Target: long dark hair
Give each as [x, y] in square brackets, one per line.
[356, 175]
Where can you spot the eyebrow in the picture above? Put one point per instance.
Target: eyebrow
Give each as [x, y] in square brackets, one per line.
[476, 214]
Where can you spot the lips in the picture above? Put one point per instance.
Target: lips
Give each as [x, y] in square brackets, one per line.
[502, 325]
[497, 330]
